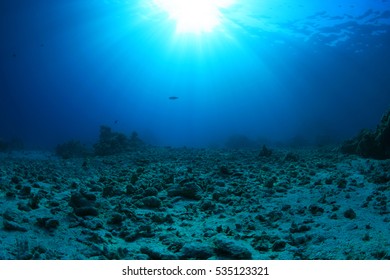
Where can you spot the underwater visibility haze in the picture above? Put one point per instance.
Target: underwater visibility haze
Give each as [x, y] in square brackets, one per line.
[270, 70]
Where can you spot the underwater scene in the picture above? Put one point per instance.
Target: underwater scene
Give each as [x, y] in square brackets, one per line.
[195, 130]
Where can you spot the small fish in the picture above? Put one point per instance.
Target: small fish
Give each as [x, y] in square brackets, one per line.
[173, 97]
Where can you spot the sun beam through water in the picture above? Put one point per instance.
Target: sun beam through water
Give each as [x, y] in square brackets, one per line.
[194, 16]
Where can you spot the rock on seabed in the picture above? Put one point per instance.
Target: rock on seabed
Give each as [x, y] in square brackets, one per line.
[182, 203]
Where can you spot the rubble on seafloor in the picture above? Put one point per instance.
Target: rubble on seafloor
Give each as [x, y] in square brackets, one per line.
[183, 203]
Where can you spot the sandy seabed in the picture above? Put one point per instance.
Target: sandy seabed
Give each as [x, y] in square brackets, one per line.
[183, 203]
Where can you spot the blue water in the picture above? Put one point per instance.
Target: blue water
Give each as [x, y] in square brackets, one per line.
[269, 70]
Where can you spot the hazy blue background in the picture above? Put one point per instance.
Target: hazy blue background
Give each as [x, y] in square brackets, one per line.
[273, 69]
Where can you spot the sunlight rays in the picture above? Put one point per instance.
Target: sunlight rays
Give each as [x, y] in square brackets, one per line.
[194, 16]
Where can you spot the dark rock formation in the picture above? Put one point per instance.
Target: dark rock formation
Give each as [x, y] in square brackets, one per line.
[83, 204]
[111, 143]
[371, 144]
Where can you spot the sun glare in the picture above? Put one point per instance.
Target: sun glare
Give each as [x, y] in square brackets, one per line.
[194, 16]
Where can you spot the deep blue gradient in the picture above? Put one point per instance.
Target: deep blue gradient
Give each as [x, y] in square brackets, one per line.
[272, 69]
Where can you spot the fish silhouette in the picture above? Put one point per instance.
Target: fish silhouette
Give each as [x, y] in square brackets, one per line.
[173, 97]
